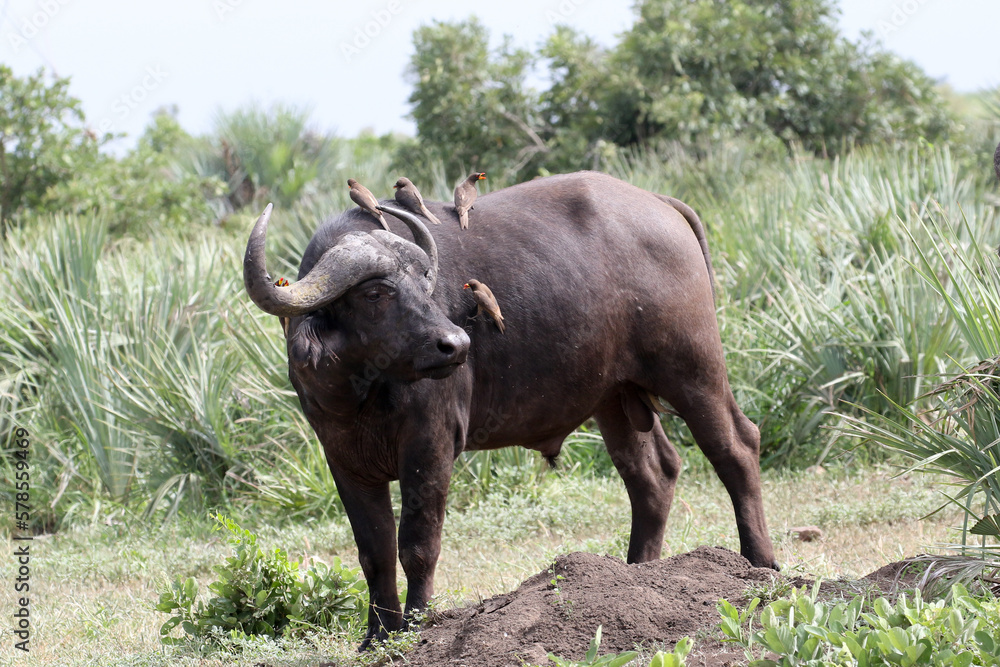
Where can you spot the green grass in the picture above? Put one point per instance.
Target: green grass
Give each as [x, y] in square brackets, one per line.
[94, 588]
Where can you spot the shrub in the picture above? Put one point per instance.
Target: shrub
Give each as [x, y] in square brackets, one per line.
[261, 592]
[801, 630]
[143, 192]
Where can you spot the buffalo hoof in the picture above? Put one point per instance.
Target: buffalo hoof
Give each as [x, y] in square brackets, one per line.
[762, 562]
[373, 636]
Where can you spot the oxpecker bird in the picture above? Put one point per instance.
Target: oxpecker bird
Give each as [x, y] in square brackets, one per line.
[409, 198]
[485, 302]
[465, 197]
[363, 197]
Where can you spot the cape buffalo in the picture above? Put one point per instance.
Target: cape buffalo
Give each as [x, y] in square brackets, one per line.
[608, 301]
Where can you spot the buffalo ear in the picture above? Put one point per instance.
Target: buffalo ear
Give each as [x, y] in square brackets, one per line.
[284, 325]
[312, 340]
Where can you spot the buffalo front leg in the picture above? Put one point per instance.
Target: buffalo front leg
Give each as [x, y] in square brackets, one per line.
[649, 465]
[423, 489]
[369, 508]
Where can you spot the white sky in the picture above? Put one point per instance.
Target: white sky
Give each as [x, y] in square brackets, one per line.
[127, 58]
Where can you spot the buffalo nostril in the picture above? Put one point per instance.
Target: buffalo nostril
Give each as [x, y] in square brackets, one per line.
[454, 346]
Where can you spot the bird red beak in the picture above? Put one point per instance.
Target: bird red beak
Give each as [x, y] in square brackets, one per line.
[482, 176]
[466, 286]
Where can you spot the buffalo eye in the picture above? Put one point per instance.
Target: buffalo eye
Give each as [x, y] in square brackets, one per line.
[376, 293]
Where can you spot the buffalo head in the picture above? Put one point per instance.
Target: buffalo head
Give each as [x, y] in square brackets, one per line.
[363, 311]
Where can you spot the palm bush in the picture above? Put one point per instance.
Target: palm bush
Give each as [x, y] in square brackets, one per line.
[139, 371]
[954, 431]
[262, 156]
[821, 299]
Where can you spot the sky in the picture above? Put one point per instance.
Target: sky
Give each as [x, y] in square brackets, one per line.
[346, 62]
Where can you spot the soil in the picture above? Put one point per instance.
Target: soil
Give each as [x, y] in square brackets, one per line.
[652, 604]
[558, 610]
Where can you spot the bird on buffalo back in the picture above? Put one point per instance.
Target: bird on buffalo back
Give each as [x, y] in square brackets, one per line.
[465, 197]
[409, 198]
[485, 302]
[363, 197]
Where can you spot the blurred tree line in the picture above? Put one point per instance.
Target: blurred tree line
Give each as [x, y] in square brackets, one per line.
[692, 72]
[51, 162]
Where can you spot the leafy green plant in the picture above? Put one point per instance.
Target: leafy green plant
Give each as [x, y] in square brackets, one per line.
[675, 658]
[823, 305]
[148, 381]
[584, 453]
[691, 71]
[456, 77]
[801, 630]
[561, 601]
[591, 658]
[261, 592]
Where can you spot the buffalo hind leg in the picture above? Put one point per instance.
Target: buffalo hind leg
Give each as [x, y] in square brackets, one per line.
[369, 509]
[731, 442]
[649, 465]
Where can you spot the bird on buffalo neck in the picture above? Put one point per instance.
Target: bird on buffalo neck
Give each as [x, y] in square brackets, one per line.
[409, 198]
[363, 197]
[465, 197]
[485, 302]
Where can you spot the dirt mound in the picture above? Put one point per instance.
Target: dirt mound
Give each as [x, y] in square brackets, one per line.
[903, 574]
[558, 610]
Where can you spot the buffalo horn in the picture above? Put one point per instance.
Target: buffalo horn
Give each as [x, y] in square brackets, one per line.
[422, 237]
[355, 259]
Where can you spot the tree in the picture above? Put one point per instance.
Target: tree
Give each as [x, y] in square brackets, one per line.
[691, 71]
[43, 140]
[578, 108]
[472, 107]
[696, 69]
